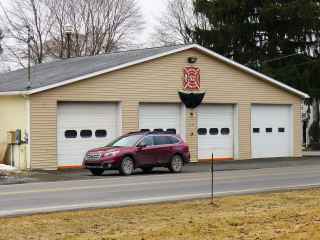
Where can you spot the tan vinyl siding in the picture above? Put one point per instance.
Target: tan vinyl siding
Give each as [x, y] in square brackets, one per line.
[43, 133]
[159, 80]
[130, 116]
[244, 126]
[192, 133]
[297, 130]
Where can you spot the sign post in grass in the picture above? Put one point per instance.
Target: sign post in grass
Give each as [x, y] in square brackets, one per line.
[212, 179]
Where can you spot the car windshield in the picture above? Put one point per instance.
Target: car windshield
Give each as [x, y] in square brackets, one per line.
[124, 141]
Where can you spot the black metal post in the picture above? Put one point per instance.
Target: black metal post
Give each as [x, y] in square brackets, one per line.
[212, 179]
[29, 40]
[68, 42]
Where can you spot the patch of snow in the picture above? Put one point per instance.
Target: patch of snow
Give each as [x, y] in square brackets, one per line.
[7, 167]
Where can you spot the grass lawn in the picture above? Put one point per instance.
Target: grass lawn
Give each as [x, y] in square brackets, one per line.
[281, 215]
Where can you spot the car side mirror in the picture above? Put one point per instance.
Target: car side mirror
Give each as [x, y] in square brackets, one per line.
[142, 145]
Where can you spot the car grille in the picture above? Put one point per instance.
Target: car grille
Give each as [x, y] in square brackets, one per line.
[93, 156]
[92, 165]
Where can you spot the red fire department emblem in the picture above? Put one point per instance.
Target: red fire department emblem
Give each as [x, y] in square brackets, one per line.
[191, 78]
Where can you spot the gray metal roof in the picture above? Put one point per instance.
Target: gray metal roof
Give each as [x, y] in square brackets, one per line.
[54, 72]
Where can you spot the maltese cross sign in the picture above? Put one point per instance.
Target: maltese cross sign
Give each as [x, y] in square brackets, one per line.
[191, 78]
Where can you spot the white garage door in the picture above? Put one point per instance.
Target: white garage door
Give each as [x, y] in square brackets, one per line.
[270, 130]
[83, 126]
[215, 131]
[160, 117]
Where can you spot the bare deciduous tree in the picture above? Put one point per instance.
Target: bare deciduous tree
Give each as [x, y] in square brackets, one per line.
[1, 37]
[173, 22]
[15, 21]
[100, 26]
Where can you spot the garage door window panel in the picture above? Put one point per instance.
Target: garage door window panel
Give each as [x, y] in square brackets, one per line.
[144, 130]
[214, 131]
[256, 130]
[268, 130]
[202, 131]
[281, 130]
[172, 130]
[225, 131]
[101, 133]
[158, 130]
[86, 133]
[70, 134]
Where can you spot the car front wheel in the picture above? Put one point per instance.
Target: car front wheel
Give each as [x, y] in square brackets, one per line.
[176, 164]
[97, 172]
[126, 166]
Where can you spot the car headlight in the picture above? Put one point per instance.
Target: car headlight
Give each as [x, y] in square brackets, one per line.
[110, 154]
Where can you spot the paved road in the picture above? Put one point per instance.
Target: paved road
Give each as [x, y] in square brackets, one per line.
[111, 191]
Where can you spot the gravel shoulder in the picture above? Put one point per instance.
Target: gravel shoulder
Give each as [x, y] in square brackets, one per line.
[14, 176]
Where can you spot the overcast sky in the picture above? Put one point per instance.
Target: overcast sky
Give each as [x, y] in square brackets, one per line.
[149, 9]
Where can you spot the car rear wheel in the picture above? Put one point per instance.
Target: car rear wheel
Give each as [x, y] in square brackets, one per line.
[176, 164]
[126, 166]
[97, 172]
[147, 169]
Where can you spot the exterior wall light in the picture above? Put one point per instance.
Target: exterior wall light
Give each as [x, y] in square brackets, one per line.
[68, 29]
[192, 59]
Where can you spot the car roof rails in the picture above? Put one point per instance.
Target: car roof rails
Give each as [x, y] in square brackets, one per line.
[153, 132]
[162, 132]
[134, 132]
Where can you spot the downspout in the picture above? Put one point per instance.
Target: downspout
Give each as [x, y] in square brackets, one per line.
[29, 135]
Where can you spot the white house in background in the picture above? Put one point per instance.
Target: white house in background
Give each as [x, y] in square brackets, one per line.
[307, 118]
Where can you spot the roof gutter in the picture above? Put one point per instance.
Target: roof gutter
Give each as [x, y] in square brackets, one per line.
[14, 93]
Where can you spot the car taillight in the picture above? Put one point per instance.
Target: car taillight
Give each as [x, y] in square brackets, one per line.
[186, 146]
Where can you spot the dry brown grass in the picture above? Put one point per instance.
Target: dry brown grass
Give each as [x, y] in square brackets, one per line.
[285, 215]
[9, 173]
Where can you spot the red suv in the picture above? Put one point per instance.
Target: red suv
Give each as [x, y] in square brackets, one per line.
[139, 150]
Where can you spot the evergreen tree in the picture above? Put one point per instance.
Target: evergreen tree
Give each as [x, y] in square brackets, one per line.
[280, 38]
[235, 28]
